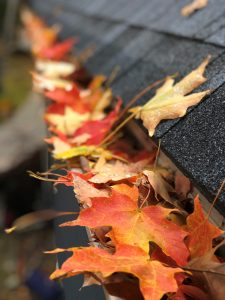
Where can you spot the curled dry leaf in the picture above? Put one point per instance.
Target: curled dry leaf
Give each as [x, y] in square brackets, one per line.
[155, 279]
[209, 274]
[133, 226]
[182, 184]
[85, 191]
[190, 292]
[33, 218]
[160, 186]
[170, 101]
[193, 6]
[89, 280]
[117, 171]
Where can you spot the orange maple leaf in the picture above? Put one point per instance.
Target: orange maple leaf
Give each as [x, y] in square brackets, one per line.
[201, 232]
[134, 226]
[155, 278]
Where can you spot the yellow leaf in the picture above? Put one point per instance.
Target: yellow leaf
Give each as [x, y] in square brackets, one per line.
[69, 121]
[193, 6]
[170, 101]
[84, 151]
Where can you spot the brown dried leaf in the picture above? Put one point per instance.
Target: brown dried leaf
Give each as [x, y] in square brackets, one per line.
[160, 186]
[182, 184]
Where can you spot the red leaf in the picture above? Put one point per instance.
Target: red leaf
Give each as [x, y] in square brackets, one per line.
[58, 51]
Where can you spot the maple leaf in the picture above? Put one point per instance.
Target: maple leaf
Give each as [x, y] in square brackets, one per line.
[170, 101]
[201, 232]
[61, 95]
[129, 191]
[134, 226]
[69, 121]
[193, 6]
[155, 279]
[39, 34]
[54, 69]
[94, 131]
[117, 171]
[58, 50]
[85, 191]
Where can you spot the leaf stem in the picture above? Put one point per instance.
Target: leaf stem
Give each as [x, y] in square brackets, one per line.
[122, 124]
[203, 271]
[215, 199]
[139, 95]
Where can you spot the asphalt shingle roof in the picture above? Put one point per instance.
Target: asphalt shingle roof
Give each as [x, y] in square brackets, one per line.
[149, 39]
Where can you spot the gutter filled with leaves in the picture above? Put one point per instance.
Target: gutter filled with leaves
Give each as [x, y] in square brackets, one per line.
[143, 230]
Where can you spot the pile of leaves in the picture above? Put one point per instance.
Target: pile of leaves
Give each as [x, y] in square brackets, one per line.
[149, 240]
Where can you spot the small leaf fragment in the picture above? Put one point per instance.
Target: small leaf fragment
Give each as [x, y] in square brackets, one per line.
[189, 9]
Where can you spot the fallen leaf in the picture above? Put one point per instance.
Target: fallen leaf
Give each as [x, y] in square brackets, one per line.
[182, 184]
[60, 95]
[57, 51]
[117, 170]
[155, 279]
[209, 273]
[33, 218]
[54, 69]
[134, 226]
[160, 186]
[170, 101]
[42, 83]
[69, 122]
[192, 292]
[201, 231]
[92, 151]
[85, 191]
[193, 6]
[95, 130]
[39, 34]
